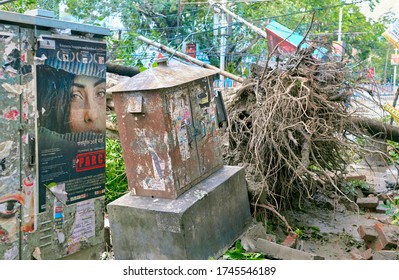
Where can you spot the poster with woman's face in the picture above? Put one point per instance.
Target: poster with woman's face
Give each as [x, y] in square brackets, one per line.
[71, 102]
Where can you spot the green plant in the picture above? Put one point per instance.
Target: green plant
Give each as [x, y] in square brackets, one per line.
[237, 252]
[116, 181]
[360, 141]
[392, 209]
[310, 232]
[393, 151]
[349, 187]
[299, 233]
[349, 241]
[112, 117]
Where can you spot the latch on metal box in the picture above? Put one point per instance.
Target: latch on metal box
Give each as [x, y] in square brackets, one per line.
[135, 105]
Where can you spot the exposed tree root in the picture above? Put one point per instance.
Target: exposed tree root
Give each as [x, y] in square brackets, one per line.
[290, 129]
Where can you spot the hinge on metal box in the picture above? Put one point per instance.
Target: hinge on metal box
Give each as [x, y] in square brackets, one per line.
[165, 107]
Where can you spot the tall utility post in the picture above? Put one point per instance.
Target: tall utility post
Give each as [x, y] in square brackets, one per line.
[394, 76]
[223, 39]
[340, 25]
[240, 19]
[222, 10]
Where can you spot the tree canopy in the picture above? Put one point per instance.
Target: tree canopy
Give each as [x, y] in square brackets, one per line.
[173, 22]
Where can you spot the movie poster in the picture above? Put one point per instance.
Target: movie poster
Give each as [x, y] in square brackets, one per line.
[71, 103]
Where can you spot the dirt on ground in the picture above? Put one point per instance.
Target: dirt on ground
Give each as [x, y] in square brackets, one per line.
[328, 227]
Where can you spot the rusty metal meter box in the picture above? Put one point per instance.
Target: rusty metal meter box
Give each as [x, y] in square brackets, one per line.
[52, 144]
[168, 128]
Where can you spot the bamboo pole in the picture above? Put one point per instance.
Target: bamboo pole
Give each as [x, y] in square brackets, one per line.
[189, 58]
[240, 19]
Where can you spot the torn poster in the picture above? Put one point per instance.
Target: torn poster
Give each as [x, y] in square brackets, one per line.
[84, 225]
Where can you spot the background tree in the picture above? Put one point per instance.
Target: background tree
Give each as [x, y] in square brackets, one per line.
[19, 6]
[173, 22]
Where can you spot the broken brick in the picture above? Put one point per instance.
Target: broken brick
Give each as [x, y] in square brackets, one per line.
[357, 177]
[387, 237]
[290, 240]
[357, 255]
[367, 233]
[367, 202]
[368, 254]
[383, 197]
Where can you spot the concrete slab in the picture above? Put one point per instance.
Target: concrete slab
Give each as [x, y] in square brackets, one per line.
[281, 252]
[199, 224]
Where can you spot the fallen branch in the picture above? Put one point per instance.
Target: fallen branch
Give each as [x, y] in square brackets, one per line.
[121, 69]
[376, 129]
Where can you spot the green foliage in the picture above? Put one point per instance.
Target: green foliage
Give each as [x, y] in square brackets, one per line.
[171, 22]
[116, 182]
[392, 209]
[19, 6]
[393, 151]
[349, 241]
[349, 187]
[237, 252]
[309, 232]
[361, 141]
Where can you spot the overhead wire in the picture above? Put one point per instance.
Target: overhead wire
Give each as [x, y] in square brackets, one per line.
[207, 51]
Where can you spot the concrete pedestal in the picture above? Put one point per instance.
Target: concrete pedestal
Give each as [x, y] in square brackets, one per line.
[199, 224]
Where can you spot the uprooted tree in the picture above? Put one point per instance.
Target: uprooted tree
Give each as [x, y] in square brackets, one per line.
[293, 128]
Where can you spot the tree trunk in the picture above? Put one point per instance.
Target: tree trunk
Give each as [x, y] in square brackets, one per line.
[122, 70]
[377, 129]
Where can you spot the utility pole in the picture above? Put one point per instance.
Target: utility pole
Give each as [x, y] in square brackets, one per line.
[222, 10]
[340, 25]
[223, 39]
[240, 19]
[394, 76]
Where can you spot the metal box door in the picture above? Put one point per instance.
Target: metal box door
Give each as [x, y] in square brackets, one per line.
[10, 193]
[205, 126]
[185, 152]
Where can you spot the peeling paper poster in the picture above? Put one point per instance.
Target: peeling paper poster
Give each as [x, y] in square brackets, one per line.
[71, 141]
[84, 225]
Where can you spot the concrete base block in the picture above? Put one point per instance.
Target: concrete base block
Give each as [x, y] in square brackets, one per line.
[199, 224]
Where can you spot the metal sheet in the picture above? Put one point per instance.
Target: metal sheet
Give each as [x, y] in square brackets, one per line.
[174, 74]
[17, 18]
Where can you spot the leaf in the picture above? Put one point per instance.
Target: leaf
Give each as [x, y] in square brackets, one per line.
[315, 228]
[384, 206]
[255, 256]
[234, 255]
[238, 245]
